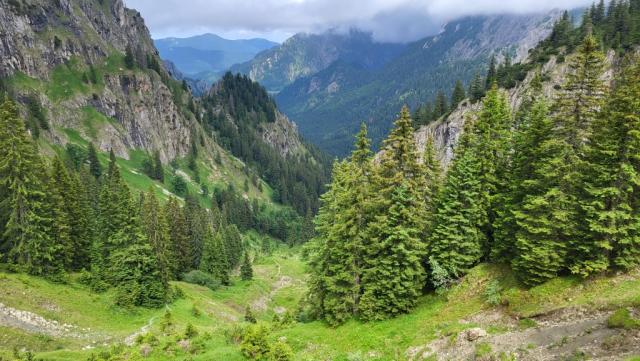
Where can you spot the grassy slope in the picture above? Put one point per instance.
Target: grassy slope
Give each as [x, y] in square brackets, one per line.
[66, 82]
[435, 315]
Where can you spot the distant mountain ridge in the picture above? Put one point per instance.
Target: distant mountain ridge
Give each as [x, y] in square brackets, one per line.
[207, 56]
[329, 83]
[306, 54]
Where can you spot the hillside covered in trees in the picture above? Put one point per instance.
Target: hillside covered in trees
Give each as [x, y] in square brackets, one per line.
[224, 238]
[549, 188]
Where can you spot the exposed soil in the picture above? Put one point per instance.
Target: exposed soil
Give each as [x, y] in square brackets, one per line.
[569, 334]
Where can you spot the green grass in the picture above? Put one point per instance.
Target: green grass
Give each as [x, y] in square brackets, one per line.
[622, 318]
[562, 292]
[65, 81]
[223, 309]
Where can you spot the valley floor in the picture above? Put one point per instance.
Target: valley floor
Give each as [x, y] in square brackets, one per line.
[564, 319]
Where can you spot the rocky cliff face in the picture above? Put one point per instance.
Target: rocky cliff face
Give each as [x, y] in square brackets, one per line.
[48, 45]
[446, 131]
[283, 136]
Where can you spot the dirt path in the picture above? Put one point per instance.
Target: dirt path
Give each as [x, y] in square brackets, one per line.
[557, 336]
[33, 323]
[131, 339]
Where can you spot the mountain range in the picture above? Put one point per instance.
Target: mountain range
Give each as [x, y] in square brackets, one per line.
[328, 83]
[206, 56]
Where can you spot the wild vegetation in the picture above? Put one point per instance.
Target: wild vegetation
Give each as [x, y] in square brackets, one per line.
[530, 233]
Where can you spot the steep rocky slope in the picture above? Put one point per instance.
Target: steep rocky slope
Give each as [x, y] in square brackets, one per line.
[48, 47]
[87, 71]
[446, 131]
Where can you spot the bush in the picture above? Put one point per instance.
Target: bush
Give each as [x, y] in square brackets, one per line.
[255, 343]
[190, 331]
[281, 351]
[622, 319]
[201, 278]
[492, 293]
[440, 277]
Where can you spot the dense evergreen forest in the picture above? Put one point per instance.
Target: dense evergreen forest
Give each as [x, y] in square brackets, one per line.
[298, 179]
[550, 188]
[68, 214]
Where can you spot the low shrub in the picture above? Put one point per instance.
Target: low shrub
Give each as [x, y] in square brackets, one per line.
[202, 279]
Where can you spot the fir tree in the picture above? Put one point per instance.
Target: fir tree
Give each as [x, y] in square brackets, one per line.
[233, 245]
[610, 178]
[138, 280]
[393, 274]
[61, 203]
[158, 171]
[476, 88]
[94, 163]
[178, 236]
[214, 257]
[433, 176]
[456, 238]
[440, 107]
[492, 73]
[458, 95]
[246, 270]
[25, 214]
[156, 227]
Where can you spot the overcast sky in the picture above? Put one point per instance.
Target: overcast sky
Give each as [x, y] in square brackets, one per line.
[389, 20]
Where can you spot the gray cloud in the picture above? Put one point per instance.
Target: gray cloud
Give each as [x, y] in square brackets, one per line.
[389, 20]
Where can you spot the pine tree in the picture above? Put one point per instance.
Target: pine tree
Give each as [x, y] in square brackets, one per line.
[178, 236]
[138, 280]
[456, 238]
[197, 224]
[492, 73]
[156, 227]
[119, 224]
[476, 88]
[433, 176]
[610, 178]
[393, 274]
[94, 163]
[492, 147]
[158, 171]
[440, 107]
[549, 230]
[458, 95]
[246, 270]
[61, 203]
[233, 245]
[214, 257]
[24, 212]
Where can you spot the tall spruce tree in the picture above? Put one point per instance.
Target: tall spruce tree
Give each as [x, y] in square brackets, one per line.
[94, 163]
[24, 212]
[61, 201]
[393, 275]
[156, 227]
[458, 95]
[233, 245]
[456, 238]
[550, 232]
[341, 228]
[611, 174]
[246, 270]
[178, 236]
[214, 256]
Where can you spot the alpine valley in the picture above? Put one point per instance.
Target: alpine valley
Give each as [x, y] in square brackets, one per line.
[179, 199]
